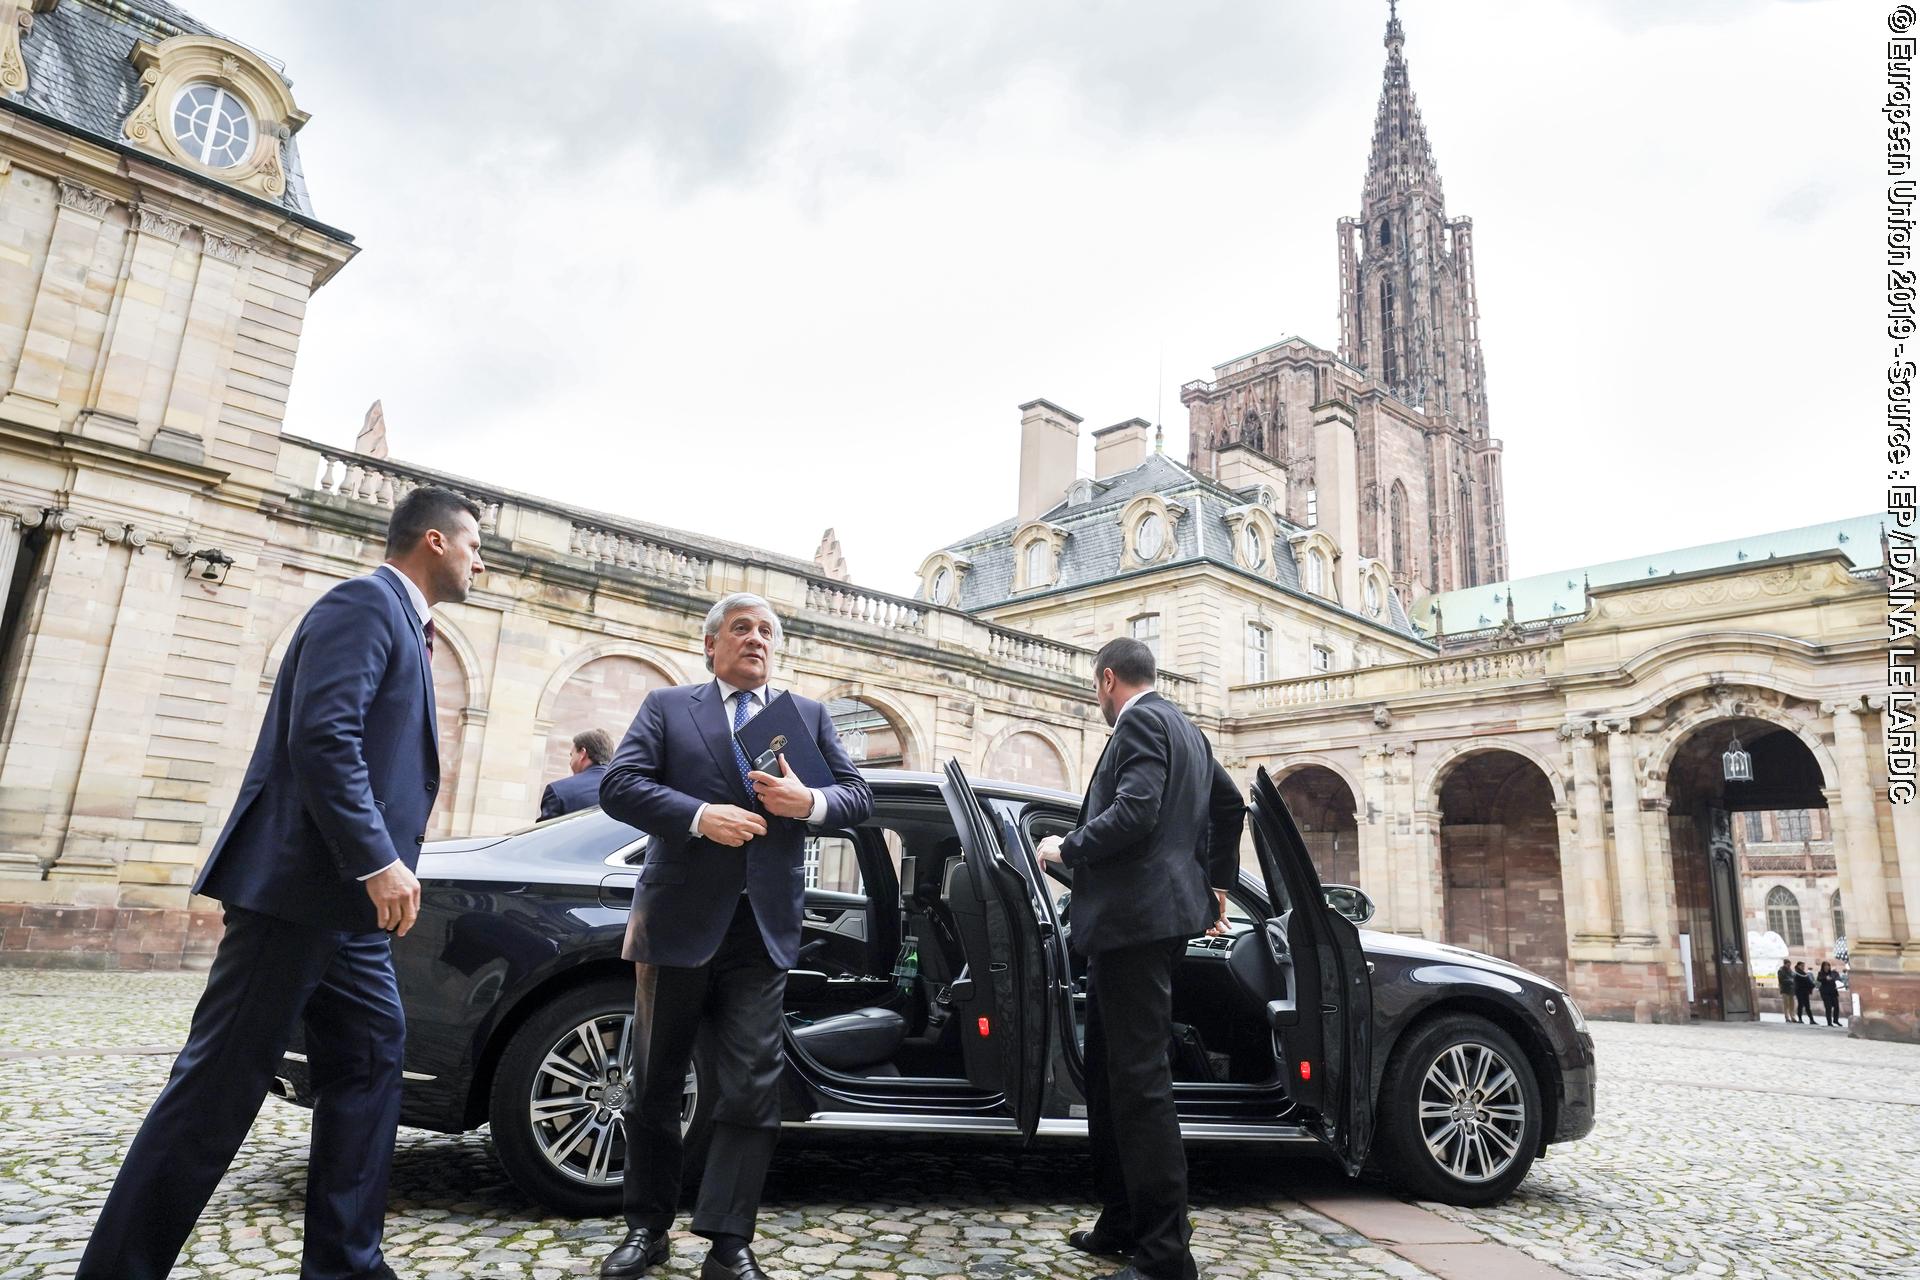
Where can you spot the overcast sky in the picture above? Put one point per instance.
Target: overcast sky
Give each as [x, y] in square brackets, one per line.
[754, 269]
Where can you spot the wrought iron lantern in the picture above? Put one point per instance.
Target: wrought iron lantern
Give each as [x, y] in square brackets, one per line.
[1736, 765]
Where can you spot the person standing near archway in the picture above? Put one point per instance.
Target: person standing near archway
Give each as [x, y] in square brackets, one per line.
[1785, 978]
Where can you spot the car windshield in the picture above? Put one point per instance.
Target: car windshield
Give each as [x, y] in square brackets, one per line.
[585, 836]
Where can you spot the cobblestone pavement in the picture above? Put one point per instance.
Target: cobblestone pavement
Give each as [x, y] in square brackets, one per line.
[1755, 1151]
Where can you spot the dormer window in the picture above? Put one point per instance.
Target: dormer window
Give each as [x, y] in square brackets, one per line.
[941, 589]
[1373, 596]
[1037, 548]
[212, 126]
[1150, 535]
[1316, 572]
[1039, 563]
[940, 575]
[1254, 547]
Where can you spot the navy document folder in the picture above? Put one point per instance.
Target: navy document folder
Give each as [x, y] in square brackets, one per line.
[779, 731]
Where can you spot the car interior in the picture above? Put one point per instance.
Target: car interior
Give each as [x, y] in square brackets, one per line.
[883, 992]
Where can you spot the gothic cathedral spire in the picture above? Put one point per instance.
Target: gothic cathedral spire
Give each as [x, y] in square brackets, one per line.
[1409, 316]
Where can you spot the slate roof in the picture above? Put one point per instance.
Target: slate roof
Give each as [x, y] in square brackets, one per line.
[80, 71]
[1095, 540]
[1563, 592]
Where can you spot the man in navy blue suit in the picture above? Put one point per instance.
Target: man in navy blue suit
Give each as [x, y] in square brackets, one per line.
[714, 929]
[315, 870]
[581, 788]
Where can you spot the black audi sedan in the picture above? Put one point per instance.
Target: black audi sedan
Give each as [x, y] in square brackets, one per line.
[938, 996]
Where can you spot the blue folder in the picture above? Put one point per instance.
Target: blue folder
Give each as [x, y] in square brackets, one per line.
[779, 731]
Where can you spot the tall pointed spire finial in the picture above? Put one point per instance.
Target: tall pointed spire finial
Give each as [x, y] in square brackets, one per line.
[1396, 35]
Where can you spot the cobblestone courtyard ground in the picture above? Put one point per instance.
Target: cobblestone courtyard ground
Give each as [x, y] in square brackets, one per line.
[1753, 1151]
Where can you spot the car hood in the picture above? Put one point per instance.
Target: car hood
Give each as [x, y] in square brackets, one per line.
[1394, 944]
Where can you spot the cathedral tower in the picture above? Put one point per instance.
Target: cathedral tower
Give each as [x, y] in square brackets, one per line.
[1409, 317]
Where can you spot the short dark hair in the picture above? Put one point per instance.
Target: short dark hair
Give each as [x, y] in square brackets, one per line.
[1130, 661]
[596, 743]
[424, 508]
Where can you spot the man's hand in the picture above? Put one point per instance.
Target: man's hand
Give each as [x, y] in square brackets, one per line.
[1220, 924]
[396, 898]
[1049, 851]
[784, 796]
[730, 825]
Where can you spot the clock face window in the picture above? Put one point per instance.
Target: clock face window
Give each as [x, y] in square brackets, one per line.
[1256, 546]
[943, 586]
[1151, 536]
[212, 126]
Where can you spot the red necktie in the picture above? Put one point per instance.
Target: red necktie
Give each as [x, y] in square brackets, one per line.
[427, 632]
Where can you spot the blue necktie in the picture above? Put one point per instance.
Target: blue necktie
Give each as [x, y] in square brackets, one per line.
[743, 709]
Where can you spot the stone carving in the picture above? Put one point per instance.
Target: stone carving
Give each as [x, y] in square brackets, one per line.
[84, 199]
[16, 20]
[220, 247]
[152, 222]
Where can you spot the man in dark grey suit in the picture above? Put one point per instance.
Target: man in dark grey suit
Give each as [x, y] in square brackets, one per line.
[581, 788]
[714, 928]
[1157, 848]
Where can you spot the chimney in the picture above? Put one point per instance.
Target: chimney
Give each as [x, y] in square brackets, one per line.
[830, 560]
[1120, 447]
[1240, 467]
[1336, 482]
[1049, 448]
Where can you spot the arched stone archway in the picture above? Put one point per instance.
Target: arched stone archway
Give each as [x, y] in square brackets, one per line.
[602, 693]
[1702, 806]
[868, 734]
[1500, 861]
[1323, 806]
[450, 692]
[1026, 755]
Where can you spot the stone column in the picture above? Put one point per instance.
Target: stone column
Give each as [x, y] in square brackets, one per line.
[1376, 819]
[1591, 893]
[1869, 917]
[1636, 916]
[9, 552]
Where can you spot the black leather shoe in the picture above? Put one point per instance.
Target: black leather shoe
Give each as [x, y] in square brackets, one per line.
[643, 1248]
[1092, 1241]
[742, 1268]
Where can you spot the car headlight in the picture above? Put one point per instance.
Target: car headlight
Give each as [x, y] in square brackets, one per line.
[1573, 1011]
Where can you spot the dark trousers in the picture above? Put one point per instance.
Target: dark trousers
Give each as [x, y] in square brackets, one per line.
[1832, 1003]
[267, 976]
[1139, 1164]
[735, 1000]
[1806, 1009]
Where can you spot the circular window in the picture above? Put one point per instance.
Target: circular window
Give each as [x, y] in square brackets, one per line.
[1373, 596]
[1150, 536]
[942, 591]
[1256, 548]
[212, 126]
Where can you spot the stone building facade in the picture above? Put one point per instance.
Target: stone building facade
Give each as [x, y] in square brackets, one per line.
[1548, 790]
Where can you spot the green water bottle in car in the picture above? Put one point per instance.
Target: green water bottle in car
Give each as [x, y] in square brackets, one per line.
[907, 969]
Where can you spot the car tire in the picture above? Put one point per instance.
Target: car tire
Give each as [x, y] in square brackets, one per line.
[556, 1122]
[1460, 1112]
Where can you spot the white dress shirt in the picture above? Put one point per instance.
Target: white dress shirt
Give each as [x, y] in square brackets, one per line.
[1128, 704]
[418, 599]
[728, 694]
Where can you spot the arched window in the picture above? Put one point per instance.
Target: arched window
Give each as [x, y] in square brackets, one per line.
[1397, 525]
[1783, 915]
[1839, 918]
[1316, 572]
[1039, 563]
[1469, 552]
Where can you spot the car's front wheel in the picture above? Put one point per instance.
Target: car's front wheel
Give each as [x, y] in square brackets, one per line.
[557, 1096]
[1459, 1112]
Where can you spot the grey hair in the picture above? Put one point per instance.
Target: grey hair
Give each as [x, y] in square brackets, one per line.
[717, 616]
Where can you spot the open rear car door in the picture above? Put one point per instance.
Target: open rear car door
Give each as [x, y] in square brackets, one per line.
[1306, 966]
[1016, 970]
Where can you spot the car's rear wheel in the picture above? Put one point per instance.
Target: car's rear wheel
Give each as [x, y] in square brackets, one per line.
[557, 1096]
[1459, 1112]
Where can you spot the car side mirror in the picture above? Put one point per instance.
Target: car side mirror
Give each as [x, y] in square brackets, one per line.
[1349, 901]
[806, 984]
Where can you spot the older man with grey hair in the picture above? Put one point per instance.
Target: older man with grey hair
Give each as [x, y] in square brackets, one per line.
[714, 928]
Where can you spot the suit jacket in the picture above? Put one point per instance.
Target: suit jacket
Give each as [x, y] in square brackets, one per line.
[575, 791]
[344, 773]
[678, 755]
[1159, 831]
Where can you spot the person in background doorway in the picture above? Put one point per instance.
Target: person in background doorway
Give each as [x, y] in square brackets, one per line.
[581, 788]
[1786, 989]
[1803, 993]
[1829, 984]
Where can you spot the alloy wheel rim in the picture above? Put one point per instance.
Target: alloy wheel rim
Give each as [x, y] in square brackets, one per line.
[1473, 1114]
[575, 1103]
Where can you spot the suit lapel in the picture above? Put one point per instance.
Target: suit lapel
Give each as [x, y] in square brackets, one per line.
[420, 650]
[709, 711]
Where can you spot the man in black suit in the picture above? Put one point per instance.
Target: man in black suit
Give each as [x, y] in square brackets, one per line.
[1156, 850]
[581, 788]
[315, 870]
[714, 928]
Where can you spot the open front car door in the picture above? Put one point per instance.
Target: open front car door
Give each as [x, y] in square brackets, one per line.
[1307, 963]
[1014, 1018]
